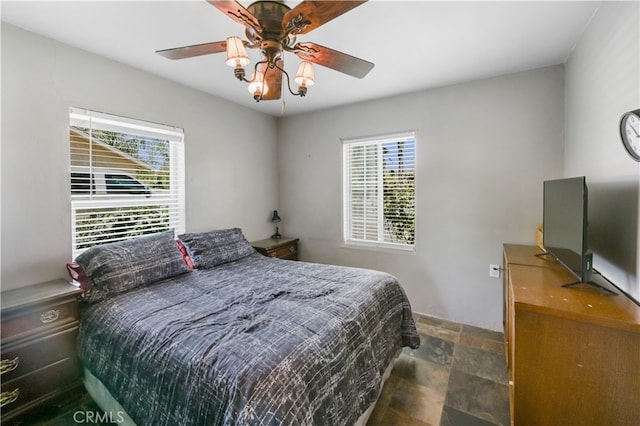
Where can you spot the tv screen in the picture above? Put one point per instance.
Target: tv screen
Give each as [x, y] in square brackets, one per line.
[565, 225]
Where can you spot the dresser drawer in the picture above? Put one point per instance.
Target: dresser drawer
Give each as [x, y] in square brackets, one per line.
[24, 357]
[284, 248]
[39, 364]
[284, 252]
[37, 319]
[30, 389]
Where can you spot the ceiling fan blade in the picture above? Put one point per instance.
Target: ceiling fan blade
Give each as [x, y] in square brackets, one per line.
[273, 78]
[237, 12]
[333, 59]
[310, 14]
[194, 50]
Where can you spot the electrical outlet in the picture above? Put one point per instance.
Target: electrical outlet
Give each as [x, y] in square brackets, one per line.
[494, 271]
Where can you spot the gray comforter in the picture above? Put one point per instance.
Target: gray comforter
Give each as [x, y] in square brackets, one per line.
[258, 341]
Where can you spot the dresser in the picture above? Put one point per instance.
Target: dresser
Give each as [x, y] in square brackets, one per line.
[573, 354]
[39, 360]
[283, 248]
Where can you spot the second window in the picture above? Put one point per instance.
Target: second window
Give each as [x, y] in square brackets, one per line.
[379, 207]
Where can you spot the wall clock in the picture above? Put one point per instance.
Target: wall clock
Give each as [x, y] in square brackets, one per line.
[630, 133]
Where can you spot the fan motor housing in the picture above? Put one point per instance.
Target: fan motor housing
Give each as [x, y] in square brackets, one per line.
[271, 49]
[269, 14]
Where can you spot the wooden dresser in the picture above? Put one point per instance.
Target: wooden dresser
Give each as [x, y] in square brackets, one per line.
[39, 358]
[283, 248]
[573, 354]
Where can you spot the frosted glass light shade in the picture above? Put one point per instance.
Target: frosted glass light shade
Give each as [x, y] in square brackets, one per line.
[236, 53]
[304, 76]
[257, 85]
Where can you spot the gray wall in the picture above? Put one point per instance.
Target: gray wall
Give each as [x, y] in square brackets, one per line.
[483, 150]
[602, 82]
[230, 167]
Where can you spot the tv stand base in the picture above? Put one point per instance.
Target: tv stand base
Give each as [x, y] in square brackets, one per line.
[601, 287]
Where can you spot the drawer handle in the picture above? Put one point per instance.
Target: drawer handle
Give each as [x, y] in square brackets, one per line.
[7, 365]
[7, 398]
[49, 316]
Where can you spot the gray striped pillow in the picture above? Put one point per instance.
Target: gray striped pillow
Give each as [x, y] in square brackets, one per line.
[209, 249]
[124, 265]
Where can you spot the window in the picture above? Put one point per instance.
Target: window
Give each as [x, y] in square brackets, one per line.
[379, 191]
[126, 178]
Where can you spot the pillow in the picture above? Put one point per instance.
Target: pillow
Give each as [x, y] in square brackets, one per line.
[118, 267]
[209, 249]
[77, 274]
[185, 254]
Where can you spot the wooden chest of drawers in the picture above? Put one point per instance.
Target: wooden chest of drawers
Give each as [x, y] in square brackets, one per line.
[39, 361]
[573, 353]
[283, 248]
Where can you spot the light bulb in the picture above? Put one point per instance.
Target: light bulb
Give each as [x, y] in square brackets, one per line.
[257, 87]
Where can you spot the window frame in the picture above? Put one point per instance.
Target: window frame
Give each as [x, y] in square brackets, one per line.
[347, 207]
[163, 208]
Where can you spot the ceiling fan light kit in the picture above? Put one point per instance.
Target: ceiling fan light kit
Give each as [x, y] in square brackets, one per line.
[237, 57]
[272, 27]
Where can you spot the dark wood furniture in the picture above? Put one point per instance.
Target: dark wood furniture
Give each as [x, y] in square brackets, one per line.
[573, 354]
[283, 248]
[39, 361]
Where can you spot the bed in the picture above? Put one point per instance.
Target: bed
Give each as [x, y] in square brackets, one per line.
[210, 332]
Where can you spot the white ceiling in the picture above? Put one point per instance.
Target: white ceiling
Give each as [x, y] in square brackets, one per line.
[414, 44]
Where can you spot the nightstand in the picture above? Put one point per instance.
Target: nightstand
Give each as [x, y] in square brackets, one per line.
[284, 248]
[39, 358]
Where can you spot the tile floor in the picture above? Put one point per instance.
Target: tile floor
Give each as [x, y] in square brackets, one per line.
[456, 378]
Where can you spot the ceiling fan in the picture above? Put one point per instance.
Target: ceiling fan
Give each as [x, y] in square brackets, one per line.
[272, 27]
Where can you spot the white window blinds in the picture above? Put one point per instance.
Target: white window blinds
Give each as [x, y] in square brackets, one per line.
[126, 178]
[379, 190]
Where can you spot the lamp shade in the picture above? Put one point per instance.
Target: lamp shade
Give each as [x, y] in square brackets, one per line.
[236, 53]
[275, 218]
[304, 76]
[257, 86]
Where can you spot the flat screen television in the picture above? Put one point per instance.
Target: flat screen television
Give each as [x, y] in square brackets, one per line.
[565, 225]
